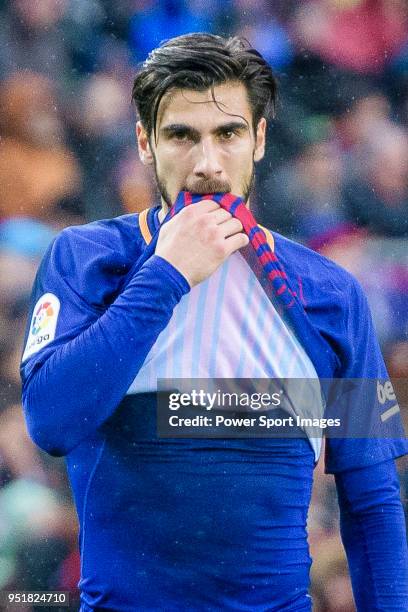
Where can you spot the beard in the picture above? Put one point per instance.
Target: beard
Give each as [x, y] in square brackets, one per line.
[204, 186]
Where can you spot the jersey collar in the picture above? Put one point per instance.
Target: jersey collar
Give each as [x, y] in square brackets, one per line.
[149, 223]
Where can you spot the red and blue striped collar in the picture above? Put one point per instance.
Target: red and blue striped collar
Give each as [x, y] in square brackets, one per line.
[149, 223]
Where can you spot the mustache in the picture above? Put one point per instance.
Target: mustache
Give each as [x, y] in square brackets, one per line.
[208, 186]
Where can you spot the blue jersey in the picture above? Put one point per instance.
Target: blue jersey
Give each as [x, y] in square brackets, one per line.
[176, 524]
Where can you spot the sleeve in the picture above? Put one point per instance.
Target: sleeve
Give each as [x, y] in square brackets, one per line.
[372, 425]
[82, 353]
[372, 526]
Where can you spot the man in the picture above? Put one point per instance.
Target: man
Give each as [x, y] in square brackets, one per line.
[201, 524]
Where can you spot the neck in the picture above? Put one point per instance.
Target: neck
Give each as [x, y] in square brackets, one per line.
[165, 209]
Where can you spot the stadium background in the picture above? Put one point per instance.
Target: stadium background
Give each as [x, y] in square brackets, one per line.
[335, 177]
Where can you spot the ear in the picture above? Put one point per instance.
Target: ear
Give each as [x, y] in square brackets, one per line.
[259, 151]
[143, 145]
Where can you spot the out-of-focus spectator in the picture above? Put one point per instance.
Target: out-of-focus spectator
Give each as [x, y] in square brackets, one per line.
[22, 244]
[38, 528]
[353, 249]
[266, 28]
[398, 360]
[157, 21]
[357, 35]
[304, 197]
[135, 183]
[30, 39]
[36, 168]
[101, 132]
[378, 199]
[355, 122]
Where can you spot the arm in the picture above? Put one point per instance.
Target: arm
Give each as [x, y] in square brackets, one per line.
[372, 526]
[79, 385]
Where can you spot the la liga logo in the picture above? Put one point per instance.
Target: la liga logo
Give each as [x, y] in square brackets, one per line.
[43, 324]
[42, 317]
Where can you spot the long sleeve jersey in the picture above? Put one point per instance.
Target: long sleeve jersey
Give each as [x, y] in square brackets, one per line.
[203, 524]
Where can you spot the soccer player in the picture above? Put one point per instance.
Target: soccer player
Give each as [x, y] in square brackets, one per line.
[202, 524]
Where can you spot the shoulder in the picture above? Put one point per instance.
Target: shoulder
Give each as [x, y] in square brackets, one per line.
[93, 259]
[331, 296]
[336, 305]
[317, 272]
[119, 236]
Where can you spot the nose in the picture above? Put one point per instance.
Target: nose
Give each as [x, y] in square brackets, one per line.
[207, 165]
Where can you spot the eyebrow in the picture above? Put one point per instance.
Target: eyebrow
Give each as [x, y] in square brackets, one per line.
[188, 129]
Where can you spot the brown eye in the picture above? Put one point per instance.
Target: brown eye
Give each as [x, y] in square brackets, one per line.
[227, 135]
[181, 136]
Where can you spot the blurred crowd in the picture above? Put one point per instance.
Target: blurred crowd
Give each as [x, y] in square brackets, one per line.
[335, 177]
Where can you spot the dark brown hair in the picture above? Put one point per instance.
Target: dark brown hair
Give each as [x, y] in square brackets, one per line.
[199, 62]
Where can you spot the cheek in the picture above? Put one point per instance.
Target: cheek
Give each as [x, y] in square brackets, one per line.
[238, 163]
[170, 165]
[241, 151]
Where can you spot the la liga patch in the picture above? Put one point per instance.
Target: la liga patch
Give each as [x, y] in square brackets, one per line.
[43, 324]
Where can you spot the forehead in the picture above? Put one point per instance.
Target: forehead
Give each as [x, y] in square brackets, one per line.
[197, 108]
